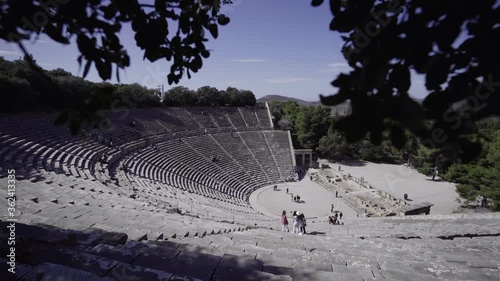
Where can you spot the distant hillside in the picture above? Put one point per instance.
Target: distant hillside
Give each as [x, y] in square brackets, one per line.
[270, 98]
[341, 109]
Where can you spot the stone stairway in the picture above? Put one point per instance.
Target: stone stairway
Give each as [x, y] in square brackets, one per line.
[50, 253]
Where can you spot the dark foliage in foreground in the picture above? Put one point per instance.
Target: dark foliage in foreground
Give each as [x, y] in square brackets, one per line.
[384, 40]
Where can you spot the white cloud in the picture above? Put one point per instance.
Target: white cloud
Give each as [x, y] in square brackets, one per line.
[286, 80]
[336, 67]
[249, 60]
[9, 53]
[338, 64]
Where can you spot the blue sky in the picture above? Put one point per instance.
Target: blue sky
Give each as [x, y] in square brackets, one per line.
[271, 47]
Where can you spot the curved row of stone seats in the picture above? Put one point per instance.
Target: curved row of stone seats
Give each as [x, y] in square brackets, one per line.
[234, 115]
[119, 127]
[185, 117]
[58, 254]
[279, 143]
[200, 189]
[319, 257]
[257, 254]
[263, 115]
[197, 155]
[446, 227]
[195, 204]
[250, 117]
[221, 118]
[234, 144]
[177, 164]
[204, 118]
[258, 146]
[207, 148]
[35, 144]
[78, 205]
[189, 164]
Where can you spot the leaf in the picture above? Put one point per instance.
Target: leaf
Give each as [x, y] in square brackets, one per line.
[316, 3]
[213, 28]
[118, 74]
[335, 7]
[139, 21]
[223, 20]
[400, 77]
[470, 150]
[398, 137]
[196, 64]
[87, 68]
[104, 69]
[152, 54]
[62, 118]
[333, 99]
[205, 54]
[55, 34]
[170, 78]
[437, 73]
[74, 125]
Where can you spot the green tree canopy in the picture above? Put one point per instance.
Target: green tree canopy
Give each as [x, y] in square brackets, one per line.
[385, 40]
[208, 96]
[95, 24]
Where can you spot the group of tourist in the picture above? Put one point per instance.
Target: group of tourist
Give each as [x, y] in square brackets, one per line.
[336, 219]
[295, 198]
[299, 222]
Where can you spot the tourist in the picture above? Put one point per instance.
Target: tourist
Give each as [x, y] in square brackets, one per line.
[341, 215]
[435, 173]
[296, 222]
[284, 222]
[336, 194]
[330, 220]
[331, 210]
[302, 224]
[287, 191]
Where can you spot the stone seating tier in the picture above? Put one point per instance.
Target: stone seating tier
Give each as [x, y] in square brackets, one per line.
[255, 254]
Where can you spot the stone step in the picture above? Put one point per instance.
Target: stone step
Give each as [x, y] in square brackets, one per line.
[48, 271]
[306, 275]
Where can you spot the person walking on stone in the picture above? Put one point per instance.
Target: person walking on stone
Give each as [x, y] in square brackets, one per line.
[302, 224]
[336, 194]
[341, 215]
[284, 222]
[331, 210]
[296, 222]
[330, 220]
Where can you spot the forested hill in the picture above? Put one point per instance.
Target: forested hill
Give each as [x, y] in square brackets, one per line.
[341, 109]
[26, 88]
[315, 127]
[271, 98]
